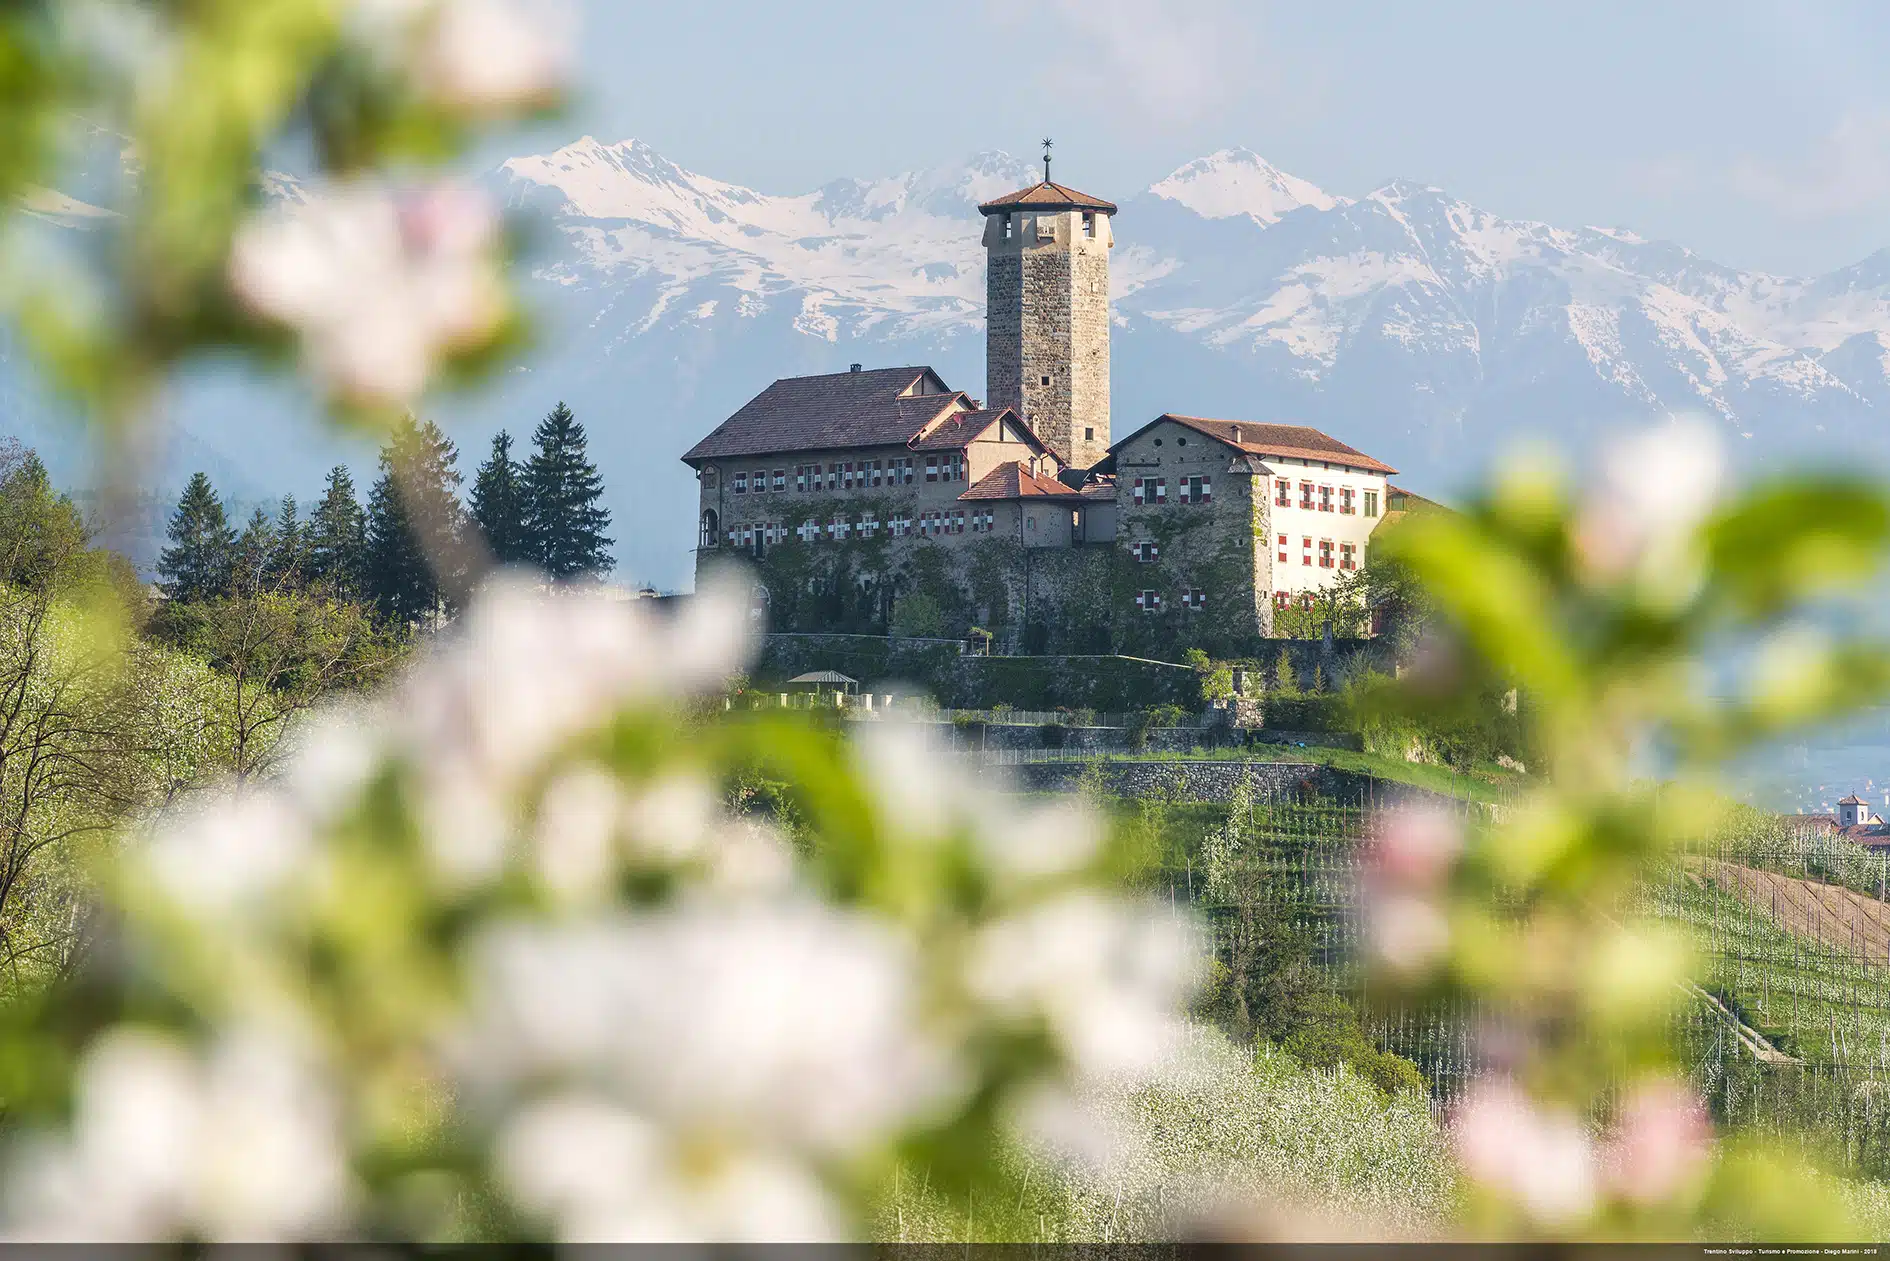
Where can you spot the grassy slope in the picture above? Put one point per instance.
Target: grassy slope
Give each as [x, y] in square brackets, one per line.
[1264, 1131]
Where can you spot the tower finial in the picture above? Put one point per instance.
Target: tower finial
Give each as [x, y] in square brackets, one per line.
[1047, 142]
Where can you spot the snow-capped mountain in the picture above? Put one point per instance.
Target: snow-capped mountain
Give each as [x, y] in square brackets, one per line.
[1405, 321]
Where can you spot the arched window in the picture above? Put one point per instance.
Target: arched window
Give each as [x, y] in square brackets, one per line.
[711, 528]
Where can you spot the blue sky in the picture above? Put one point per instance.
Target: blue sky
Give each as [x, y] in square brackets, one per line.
[1758, 133]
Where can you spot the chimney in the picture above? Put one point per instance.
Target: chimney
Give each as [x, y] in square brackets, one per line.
[1237, 433]
[853, 368]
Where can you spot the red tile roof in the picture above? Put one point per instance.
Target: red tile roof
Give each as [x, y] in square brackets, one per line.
[1046, 196]
[1297, 442]
[839, 409]
[1012, 480]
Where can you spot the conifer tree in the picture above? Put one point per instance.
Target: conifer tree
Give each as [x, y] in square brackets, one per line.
[413, 527]
[498, 504]
[336, 537]
[562, 488]
[287, 568]
[253, 554]
[196, 565]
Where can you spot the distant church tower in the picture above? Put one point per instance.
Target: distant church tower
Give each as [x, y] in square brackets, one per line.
[1047, 314]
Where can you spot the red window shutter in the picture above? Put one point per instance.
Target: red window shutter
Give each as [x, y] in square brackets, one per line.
[1207, 490]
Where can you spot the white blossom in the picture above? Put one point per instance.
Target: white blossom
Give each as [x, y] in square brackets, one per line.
[603, 1174]
[1540, 1158]
[481, 56]
[230, 856]
[575, 838]
[790, 1021]
[379, 285]
[241, 1145]
[1108, 975]
[1654, 490]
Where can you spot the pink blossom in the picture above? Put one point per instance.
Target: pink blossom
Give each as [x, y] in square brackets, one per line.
[1408, 933]
[1660, 1143]
[1539, 1159]
[1417, 845]
[378, 285]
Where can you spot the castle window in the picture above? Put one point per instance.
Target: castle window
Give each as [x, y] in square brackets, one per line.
[1325, 499]
[1089, 435]
[1305, 555]
[808, 530]
[1007, 227]
[955, 523]
[1371, 503]
[1347, 556]
[1046, 380]
[740, 484]
[872, 472]
[1281, 599]
[1195, 490]
[780, 480]
[1148, 601]
[1195, 599]
[931, 468]
[1282, 549]
[1345, 501]
[1325, 553]
[846, 475]
[833, 476]
[1283, 493]
[709, 527]
[1305, 495]
[1089, 223]
[1145, 551]
[800, 477]
[869, 525]
[900, 526]
[761, 481]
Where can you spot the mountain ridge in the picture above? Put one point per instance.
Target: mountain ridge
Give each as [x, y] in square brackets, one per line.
[1408, 322]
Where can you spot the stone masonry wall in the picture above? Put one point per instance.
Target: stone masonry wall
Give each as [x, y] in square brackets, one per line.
[1047, 328]
[1216, 780]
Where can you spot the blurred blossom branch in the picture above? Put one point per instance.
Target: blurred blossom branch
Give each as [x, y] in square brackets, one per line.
[502, 946]
[1657, 621]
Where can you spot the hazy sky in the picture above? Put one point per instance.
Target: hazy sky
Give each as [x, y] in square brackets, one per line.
[1757, 133]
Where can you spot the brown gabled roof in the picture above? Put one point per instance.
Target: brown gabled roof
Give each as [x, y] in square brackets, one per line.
[1046, 196]
[839, 409]
[1296, 442]
[1852, 800]
[961, 429]
[1012, 480]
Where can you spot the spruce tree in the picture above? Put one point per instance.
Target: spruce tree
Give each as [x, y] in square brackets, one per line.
[254, 553]
[562, 488]
[336, 537]
[498, 504]
[287, 568]
[414, 524]
[196, 565]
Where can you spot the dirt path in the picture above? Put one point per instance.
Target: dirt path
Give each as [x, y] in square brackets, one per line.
[1825, 913]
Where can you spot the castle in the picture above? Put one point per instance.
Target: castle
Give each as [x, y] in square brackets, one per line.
[884, 498]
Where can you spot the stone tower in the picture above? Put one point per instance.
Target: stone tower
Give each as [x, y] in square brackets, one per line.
[1047, 314]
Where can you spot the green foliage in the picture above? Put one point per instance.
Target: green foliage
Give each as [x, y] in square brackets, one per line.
[917, 615]
[337, 539]
[414, 519]
[198, 563]
[499, 504]
[561, 488]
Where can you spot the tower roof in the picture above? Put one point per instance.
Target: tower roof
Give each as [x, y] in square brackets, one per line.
[1045, 195]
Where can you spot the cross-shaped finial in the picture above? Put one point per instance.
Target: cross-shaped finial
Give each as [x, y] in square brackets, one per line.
[1047, 142]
